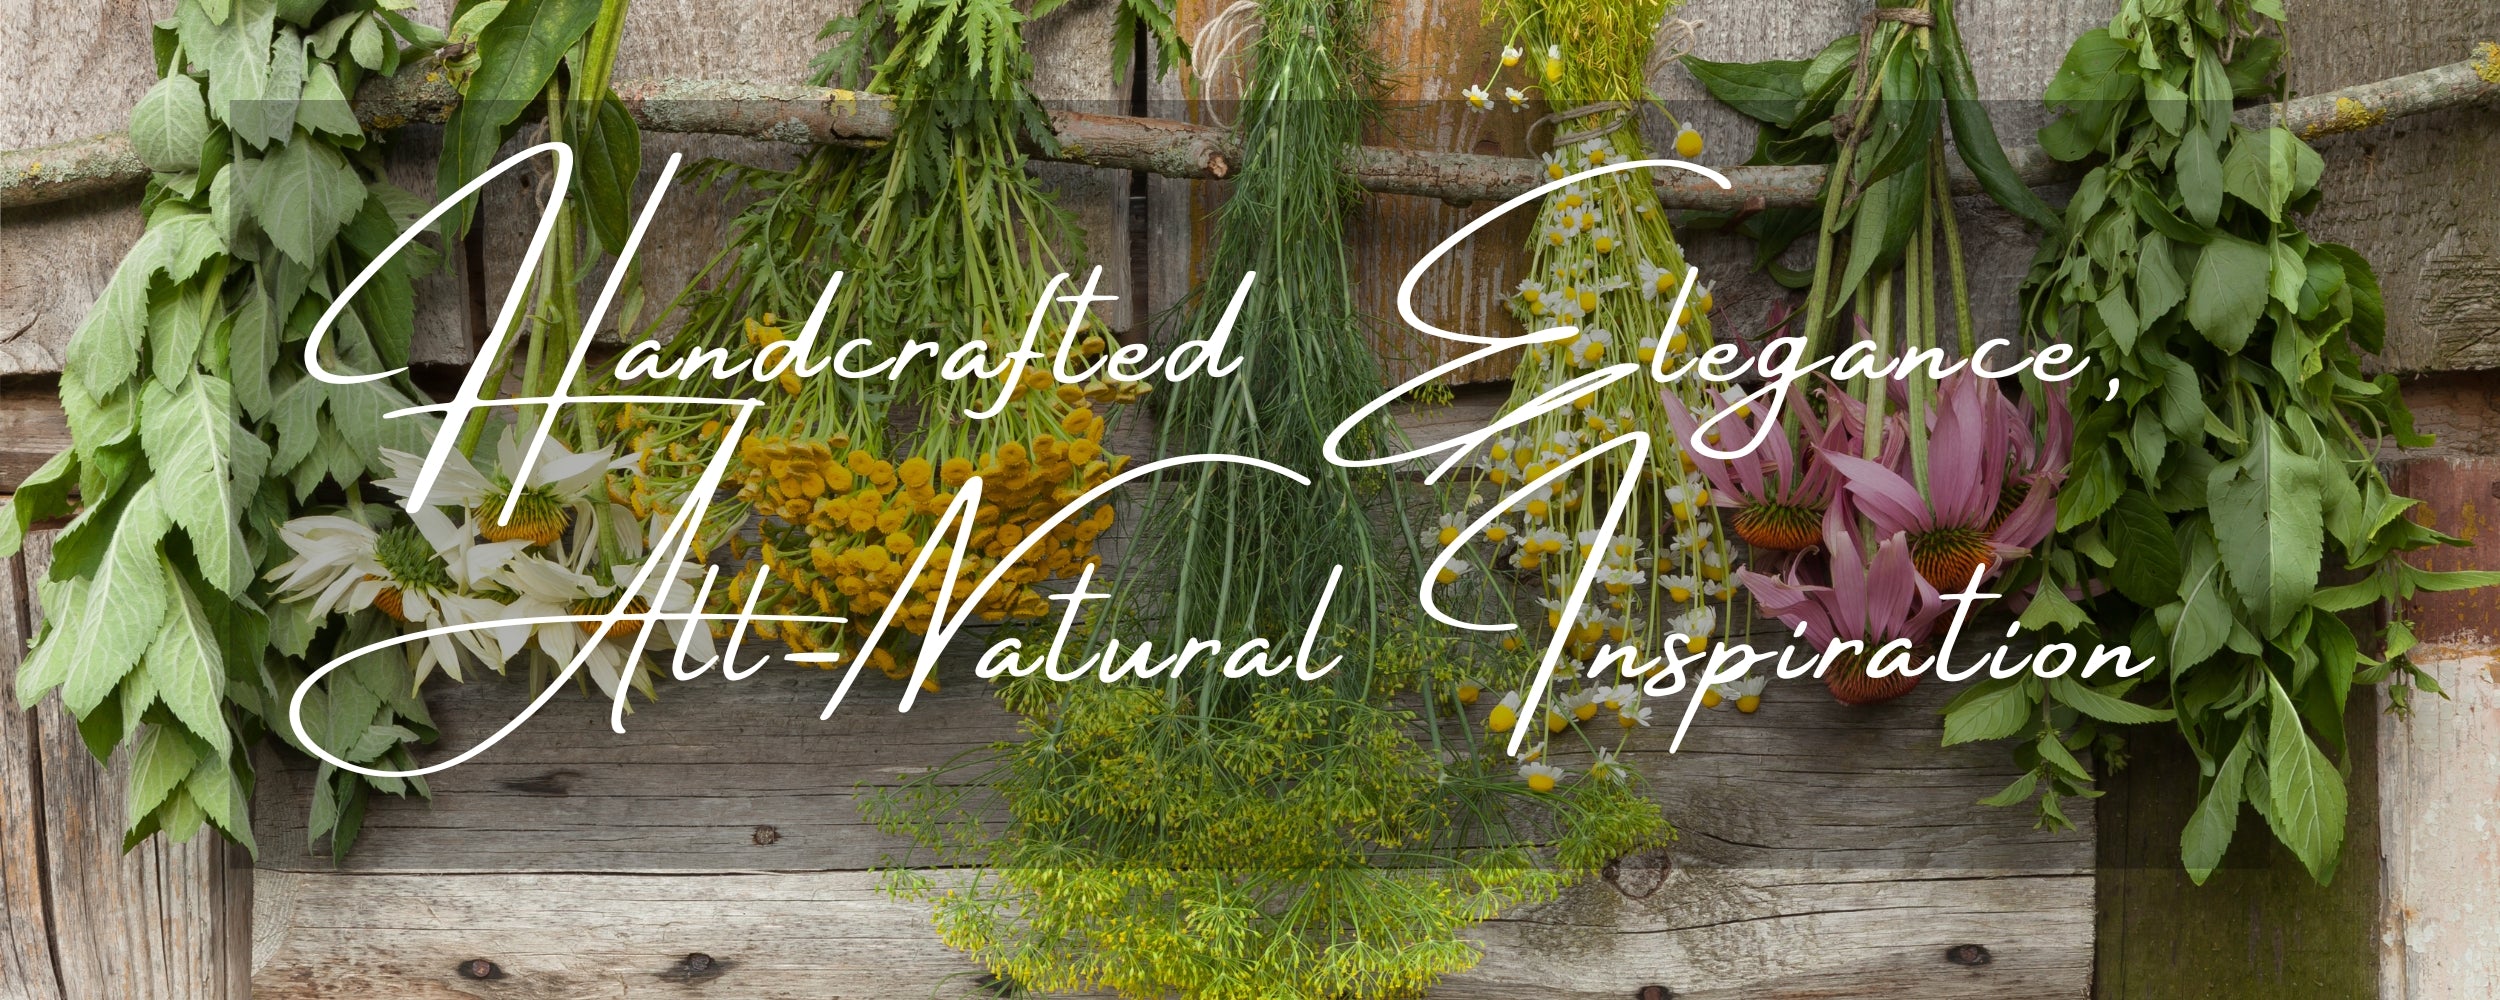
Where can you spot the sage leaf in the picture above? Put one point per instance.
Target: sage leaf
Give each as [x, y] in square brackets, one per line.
[184, 664]
[169, 124]
[302, 193]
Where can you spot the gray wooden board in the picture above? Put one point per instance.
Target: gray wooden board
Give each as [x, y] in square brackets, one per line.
[164, 921]
[89, 64]
[689, 786]
[1707, 935]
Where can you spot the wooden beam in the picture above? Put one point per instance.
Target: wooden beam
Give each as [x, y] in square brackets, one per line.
[832, 116]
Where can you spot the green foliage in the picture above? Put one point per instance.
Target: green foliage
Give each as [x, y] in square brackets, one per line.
[1304, 847]
[2237, 463]
[194, 427]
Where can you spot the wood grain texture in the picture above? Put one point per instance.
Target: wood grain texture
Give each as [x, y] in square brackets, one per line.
[2260, 927]
[1806, 783]
[2439, 766]
[2411, 197]
[1705, 934]
[164, 921]
[27, 969]
[90, 62]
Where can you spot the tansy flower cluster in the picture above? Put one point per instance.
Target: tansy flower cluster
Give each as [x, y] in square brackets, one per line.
[839, 525]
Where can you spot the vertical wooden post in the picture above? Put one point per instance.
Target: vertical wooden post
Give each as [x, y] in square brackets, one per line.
[2439, 766]
[79, 917]
[2260, 927]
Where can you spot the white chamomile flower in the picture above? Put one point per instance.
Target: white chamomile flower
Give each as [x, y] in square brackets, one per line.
[1680, 587]
[1541, 777]
[1518, 99]
[1607, 768]
[1632, 715]
[1687, 142]
[1511, 54]
[1451, 571]
[1655, 281]
[1504, 715]
[1602, 239]
[1553, 63]
[1477, 98]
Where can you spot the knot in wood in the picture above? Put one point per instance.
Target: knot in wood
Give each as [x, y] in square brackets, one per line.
[1968, 954]
[1653, 991]
[479, 968]
[766, 834]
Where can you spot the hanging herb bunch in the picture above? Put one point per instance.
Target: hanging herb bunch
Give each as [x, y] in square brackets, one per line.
[1882, 509]
[943, 238]
[2236, 464]
[1210, 836]
[196, 430]
[490, 544]
[1603, 260]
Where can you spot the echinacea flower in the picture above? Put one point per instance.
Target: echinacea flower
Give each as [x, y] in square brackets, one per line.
[1779, 496]
[1961, 522]
[562, 483]
[1873, 601]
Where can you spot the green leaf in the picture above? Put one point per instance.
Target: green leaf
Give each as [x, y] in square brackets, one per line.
[220, 798]
[186, 668]
[234, 50]
[2084, 698]
[2304, 791]
[325, 109]
[364, 44]
[302, 193]
[2015, 793]
[1974, 136]
[2056, 755]
[269, 116]
[158, 764]
[611, 158]
[2268, 519]
[2217, 816]
[1767, 91]
[2453, 579]
[2048, 607]
[517, 52]
[191, 437]
[2093, 485]
[169, 124]
[2229, 291]
[2198, 168]
[2148, 570]
[1992, 710]
[44, 493]
[2203, 623]
[124, 604]
[104, 352]
[2158, 287]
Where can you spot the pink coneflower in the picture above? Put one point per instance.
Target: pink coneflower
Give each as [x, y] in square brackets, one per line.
[1978, 509]
[1778, 492]
[1871, 601]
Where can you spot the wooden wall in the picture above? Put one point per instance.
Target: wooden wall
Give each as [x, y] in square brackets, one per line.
[717, 845]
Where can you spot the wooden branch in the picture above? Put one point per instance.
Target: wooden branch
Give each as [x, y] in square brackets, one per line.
[824, 115]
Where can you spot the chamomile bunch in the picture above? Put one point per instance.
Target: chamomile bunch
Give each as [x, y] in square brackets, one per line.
[1602, 261]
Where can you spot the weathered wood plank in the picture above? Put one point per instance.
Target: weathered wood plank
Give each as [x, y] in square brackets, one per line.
[1704, 934]
[2408, 196]
[27, 969]
[1805, 783]
[164, 921]
[79, 69]
[2439, 766]
[2260, 927]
